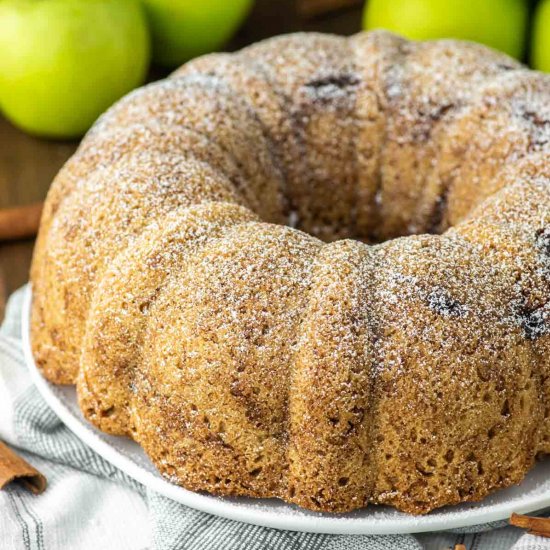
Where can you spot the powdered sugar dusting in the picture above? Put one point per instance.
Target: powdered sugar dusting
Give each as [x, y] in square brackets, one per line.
[254, 359]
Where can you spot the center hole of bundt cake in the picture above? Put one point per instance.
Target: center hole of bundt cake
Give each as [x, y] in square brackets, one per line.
[374, 223]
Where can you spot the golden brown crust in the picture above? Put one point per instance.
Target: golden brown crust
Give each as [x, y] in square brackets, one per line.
[315, 78]
[376, 53]
[225, 333]
[421, 107]
[506, 121]
[118, 318]
[249, 358]
[330, 431]
[457, 381]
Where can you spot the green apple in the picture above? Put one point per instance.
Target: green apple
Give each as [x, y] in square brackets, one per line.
[182, 29]
[540, 47]
[501, 24]
[63, 62]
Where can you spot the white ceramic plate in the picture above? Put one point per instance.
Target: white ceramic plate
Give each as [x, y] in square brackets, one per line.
[533, 494]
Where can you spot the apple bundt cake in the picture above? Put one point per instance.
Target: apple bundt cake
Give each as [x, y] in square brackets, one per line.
[317, 269]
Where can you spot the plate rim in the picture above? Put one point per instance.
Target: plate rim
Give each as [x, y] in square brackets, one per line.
[310, 522]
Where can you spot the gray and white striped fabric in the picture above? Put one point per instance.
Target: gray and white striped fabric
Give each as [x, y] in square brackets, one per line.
[89, 504]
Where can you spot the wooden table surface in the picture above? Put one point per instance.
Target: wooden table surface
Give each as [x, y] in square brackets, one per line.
[28, 164]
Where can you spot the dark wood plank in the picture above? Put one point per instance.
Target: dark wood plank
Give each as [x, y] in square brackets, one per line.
[27, 166]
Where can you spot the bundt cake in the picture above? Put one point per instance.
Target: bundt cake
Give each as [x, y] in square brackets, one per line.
[317, 269]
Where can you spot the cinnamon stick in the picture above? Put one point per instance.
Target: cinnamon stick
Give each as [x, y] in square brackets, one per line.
[534, 525]
[13, 467]
[20, 222]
